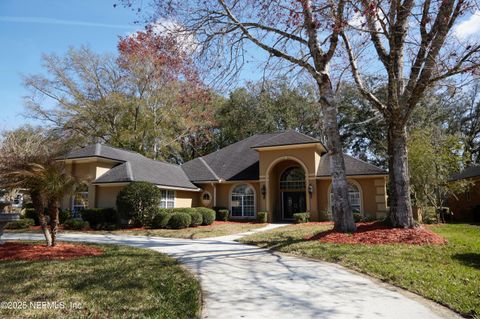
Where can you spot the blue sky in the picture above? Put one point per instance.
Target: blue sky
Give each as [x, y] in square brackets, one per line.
[29, 28]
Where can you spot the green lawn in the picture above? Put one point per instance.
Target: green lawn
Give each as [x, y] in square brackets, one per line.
[214, 230]
[122, 283]
[448, 274]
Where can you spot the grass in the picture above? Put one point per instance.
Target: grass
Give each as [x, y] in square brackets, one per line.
[448, 274]
[122, 283]
[214, 230]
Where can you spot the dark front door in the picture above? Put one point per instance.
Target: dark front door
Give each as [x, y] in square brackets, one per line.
[293, 202]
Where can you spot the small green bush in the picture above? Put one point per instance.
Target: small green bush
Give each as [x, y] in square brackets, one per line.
[197, 218]
[161, 218]
[208, 215]
[22, 223]
[223, 215]
[97, 216]
[32, 214]
[325, 216]
[368, 218]
[64, 215]
[301, 218]
[106, 226]
[137, 202]
[262, 217]
[76, 224]
[182, 210]
[357, 217]
[179, 220]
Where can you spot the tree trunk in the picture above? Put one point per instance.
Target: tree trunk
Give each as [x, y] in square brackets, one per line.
[400, 214]
[53, 210]
[342, 212]
[40, 211]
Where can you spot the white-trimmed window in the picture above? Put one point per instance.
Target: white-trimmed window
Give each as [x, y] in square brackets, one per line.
[79, 203]
[353, 198]
[243, 201]
[167, 198]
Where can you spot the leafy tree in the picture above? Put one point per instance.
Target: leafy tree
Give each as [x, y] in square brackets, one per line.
[266, 107]
[417, 48]
[434, 157]
[125, 100]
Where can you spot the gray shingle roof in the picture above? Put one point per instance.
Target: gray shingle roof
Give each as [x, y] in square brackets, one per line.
[286, 138]
[238, 161]
[469, 172]
[353, 166]
[134, 167]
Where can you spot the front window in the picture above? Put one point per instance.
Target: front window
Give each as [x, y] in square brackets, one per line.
[243, 201]
[79, 201]
[353, 198]
[293, 179]
[167, 198]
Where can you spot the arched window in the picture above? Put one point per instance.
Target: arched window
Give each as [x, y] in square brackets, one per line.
[293, 178]
[243, 201]
[353, 197]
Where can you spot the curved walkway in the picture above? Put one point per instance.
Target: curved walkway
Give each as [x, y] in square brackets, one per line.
[242, 281]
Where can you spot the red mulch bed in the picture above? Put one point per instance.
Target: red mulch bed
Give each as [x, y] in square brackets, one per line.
[22, 251]
[377, 233]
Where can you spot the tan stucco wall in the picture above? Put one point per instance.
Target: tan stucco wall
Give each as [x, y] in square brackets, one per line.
[372, 189]
[186, 199]
[107, 196]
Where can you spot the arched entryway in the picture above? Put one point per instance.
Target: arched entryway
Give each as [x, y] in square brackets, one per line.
[287, 185]
[292, 190]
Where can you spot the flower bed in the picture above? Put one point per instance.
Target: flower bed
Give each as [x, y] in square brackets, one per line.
[22, 251]
[377, 233]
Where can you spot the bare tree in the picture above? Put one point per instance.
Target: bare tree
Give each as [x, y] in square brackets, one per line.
[416, 47]
[294, 35]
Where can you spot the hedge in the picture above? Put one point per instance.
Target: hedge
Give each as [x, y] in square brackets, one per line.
[179, 220]
[32, 214]
[98, 216]
[301, 217]
[22, 223]
[262, 217]
[76, 224]
[197, 218]
[223, 215]
[208, 215]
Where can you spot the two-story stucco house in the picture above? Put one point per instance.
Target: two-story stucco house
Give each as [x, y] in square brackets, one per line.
[281, 173]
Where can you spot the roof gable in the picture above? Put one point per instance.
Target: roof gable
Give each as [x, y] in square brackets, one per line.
[287, 138]
[133, 167]
[353, 166]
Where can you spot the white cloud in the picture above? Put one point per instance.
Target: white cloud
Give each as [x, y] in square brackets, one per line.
[468, 27]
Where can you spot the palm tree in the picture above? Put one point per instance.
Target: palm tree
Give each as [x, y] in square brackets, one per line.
[55, 183]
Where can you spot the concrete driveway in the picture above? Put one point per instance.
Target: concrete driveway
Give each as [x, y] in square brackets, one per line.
[242, 281]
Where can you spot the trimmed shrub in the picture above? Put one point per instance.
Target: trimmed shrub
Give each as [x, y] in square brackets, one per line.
[97, 216]
[22, 223]
[182, 210]
[64, 215]
[179, 220]
[161, 218]
[197, 218]
[76, 224]
[137, 202]
[223, 215]
[301, 217]
[357, 217]
[262, 217]
[208, 215]
[32, 214]
[325, 216]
